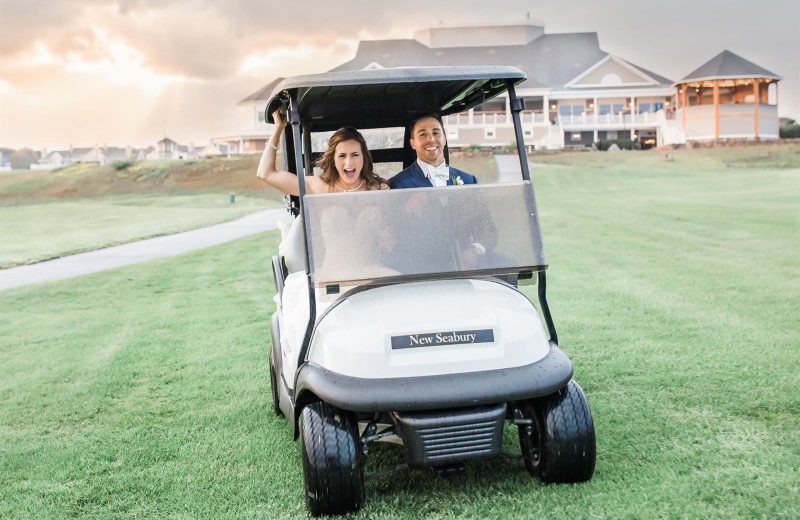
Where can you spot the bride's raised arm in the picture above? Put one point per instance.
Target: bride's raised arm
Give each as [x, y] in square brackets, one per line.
[268, 169]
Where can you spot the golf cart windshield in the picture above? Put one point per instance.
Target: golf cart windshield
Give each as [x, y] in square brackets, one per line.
[423, 233]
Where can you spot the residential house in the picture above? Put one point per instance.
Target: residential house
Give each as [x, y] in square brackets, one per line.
[96, 154]
[575, 94]
[5, 166]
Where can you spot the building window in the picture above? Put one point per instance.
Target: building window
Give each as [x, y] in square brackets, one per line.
[644, 108]
[528, 132]
[489, 132]
[564, 110]
[617, 109]
[657, 107]
[611, 134]
[260, 116]
[605, 109]
[577, 110]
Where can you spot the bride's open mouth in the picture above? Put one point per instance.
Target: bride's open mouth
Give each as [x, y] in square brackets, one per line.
[350, 174]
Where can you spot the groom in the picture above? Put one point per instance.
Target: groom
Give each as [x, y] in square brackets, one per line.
[477, 233]
[430, 169]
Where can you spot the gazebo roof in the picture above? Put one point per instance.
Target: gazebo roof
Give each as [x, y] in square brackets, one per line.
[727, 65]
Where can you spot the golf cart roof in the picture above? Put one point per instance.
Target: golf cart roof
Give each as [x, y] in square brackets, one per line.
[383, 98]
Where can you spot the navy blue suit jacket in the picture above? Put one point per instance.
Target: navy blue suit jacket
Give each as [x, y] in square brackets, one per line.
[413, 177]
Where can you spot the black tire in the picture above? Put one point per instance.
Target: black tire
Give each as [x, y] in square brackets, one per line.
[273, 385]
[560, 446]
[332, 462]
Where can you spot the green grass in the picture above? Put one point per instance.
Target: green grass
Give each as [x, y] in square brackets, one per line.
[142, 391]
[36, 232]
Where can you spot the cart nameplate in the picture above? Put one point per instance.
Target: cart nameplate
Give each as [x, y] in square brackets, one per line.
[435, 339]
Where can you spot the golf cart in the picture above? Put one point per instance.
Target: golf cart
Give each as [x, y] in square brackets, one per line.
[399, 316]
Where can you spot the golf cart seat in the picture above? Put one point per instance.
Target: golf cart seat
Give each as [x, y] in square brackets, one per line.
[292, 249]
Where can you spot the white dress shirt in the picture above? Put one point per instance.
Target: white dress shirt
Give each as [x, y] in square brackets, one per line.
[438, 175]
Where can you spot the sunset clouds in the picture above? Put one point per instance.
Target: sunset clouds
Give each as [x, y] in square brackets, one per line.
[123, 71]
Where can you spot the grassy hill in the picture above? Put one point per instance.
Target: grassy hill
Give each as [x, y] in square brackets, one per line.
[142, 392]
[235, 174]
[87, 206]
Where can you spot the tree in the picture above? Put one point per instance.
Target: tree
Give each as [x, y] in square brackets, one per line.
[22, 159]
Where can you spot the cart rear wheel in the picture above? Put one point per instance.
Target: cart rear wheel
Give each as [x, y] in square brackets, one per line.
[273, 385]
[332, 466]
[560, 444]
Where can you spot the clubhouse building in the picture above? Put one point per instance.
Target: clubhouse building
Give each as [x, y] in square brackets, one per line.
[576, 93]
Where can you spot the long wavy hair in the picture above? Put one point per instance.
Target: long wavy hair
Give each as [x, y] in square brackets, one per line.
[327, 161]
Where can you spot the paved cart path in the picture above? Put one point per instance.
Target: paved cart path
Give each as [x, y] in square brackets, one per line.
[126, 254]
[508, 169]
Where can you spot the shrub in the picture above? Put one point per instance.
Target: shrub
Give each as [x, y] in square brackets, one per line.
[624, 144]
[121, 165]
[22, 159]
[790, 131]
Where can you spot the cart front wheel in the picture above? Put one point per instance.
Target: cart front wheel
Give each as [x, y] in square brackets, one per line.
[559, 445]
[332, 466]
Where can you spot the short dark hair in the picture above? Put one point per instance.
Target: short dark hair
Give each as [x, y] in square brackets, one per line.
[420, 117]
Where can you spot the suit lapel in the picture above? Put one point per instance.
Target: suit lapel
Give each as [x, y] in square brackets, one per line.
[421, 178]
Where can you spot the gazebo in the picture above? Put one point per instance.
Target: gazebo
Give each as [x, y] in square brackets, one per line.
[728, 98]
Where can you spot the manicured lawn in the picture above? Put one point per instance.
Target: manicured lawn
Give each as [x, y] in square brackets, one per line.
[142, 392]
[36, 232]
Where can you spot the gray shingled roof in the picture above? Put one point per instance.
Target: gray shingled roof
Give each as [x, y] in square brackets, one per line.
[727, 65]
[661, 79]
[550, 61]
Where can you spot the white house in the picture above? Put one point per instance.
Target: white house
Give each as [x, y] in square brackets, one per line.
[575, 94]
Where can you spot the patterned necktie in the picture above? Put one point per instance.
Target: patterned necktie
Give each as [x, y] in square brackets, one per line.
[440, 174]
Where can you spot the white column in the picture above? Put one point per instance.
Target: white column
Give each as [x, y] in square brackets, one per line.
[596, 108]
[241, 146]
[546, 106]
[471, 118]
[595, 135]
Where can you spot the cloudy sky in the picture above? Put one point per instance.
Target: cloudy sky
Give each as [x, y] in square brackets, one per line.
[122, 71]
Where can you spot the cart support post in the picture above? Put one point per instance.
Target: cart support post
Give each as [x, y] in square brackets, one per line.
[309, 161]
[548, 319]
[294, 119]
[517, 105]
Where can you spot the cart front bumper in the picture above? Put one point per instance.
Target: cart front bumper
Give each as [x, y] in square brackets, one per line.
[356, 394]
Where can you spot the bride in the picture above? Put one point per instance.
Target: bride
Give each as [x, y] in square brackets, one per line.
[346, 164]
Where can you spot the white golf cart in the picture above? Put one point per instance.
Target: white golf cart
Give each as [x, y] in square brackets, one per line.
[399, 316]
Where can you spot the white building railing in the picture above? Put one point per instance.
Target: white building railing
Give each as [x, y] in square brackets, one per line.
[646, 118]
[539, 118]
[492, 119]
